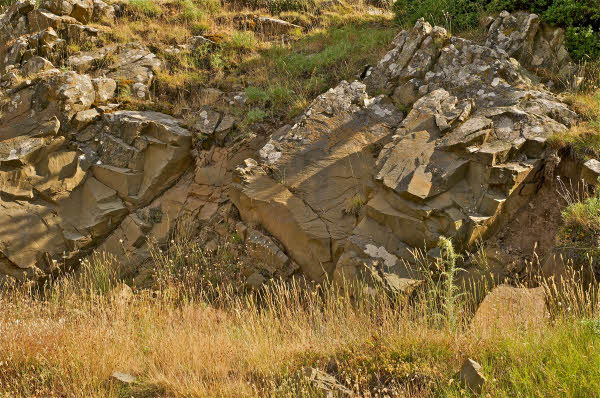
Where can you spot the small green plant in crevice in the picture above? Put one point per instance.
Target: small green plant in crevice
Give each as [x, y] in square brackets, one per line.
[354, 205]
[583, 139]
[255, 115]
[256, 96]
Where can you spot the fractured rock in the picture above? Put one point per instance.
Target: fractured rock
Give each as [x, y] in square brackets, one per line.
[454, 166]
[532, 42]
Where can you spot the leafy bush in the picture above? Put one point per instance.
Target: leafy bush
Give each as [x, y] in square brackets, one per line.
[255, 115]
[573, 13]
[583, 43]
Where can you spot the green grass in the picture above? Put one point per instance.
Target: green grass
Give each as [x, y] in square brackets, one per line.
[147, 8]
[584, 215]
[284, 79]
[563, 361]
[582, 140]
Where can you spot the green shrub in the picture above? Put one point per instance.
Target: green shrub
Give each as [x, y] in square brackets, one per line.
[256, 96]
[583, 43]
[574, 13]
[255, 115]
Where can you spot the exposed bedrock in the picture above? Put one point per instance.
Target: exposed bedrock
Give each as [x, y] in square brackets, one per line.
[355, 184]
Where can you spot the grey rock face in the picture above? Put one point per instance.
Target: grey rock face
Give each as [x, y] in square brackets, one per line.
[532, 42]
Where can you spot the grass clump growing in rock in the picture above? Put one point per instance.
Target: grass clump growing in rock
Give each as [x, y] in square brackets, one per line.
[583, 139]
[582, 225]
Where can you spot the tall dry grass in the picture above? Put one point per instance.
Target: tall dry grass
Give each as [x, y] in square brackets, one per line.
[69, 337]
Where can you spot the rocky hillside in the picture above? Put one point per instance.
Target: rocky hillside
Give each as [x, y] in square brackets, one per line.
[443, 137]
[180, 180]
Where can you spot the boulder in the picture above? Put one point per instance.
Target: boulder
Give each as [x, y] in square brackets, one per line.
[590, 172]
[105, 89]
[102, 12]
[35, 65]
[265, 251]
[123, 378]
[510, 308]
[471, 375]
[273, 26]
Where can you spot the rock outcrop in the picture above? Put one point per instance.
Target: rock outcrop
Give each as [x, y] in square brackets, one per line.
[467, 155]
[444, 137]
[535, 44]
[73, 168]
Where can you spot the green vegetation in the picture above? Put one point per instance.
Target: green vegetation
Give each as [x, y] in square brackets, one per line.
[284, 79]
[581, 230]
[455, 15]
[5, 3]
[335, 43]
[148, 8]
[277, 6]
[582, 140]
[584, 216]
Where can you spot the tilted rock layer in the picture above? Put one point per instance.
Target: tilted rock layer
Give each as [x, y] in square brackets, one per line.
[444, 137]
[73, 168]
[354, 185]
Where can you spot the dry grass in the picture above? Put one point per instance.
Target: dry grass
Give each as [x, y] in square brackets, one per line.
[335, 42]
[214, 342]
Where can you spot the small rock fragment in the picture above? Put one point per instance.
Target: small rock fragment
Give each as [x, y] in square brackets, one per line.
[471, 374]
[124, 378]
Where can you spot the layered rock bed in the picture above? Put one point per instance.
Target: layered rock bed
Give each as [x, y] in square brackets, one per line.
[443, 137]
